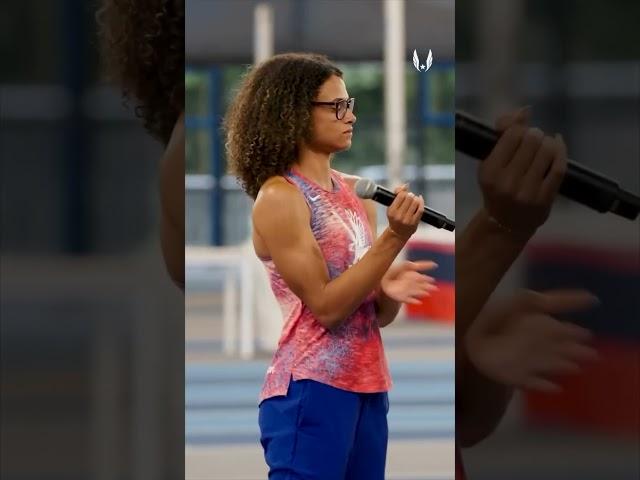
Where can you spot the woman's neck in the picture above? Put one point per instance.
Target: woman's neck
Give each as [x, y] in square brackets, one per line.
[316, 166]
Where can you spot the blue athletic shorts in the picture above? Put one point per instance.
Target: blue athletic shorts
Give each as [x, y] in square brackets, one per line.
[319, 432]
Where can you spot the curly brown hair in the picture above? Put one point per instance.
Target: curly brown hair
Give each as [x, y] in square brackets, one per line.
[143, 48]
[270, 114]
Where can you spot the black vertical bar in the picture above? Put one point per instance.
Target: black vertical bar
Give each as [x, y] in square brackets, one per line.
[75, 131]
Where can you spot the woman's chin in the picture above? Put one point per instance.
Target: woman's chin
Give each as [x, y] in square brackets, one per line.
[344, 146]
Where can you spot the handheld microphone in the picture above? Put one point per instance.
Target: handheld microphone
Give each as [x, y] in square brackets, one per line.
[367, 189]
[580, 184]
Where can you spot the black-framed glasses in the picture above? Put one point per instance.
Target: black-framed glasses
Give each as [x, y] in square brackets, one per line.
[341, 106]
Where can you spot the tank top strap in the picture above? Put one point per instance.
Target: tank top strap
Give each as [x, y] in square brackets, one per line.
[307, 189]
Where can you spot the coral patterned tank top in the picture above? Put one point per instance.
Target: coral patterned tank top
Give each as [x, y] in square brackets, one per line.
[350, 357]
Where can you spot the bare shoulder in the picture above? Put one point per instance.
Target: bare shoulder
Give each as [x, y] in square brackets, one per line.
[277, 197]
[276, 190]
[171, 176]
[171, 183]
[173, 157]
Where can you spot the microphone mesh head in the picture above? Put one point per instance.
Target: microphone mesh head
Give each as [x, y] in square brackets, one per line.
[365, 188]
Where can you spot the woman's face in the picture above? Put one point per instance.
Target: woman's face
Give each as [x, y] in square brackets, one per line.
[328, 133]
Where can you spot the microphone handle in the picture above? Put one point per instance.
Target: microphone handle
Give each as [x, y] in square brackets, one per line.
[580, 184]
[385, 197]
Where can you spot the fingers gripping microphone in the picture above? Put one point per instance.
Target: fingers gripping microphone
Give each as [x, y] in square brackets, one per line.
[367, 189]
[580, 184]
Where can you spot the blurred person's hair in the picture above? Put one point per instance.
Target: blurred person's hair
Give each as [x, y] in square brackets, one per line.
[143, 49]
[270, 113]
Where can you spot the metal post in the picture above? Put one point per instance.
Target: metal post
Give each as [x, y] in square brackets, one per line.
[262, 32]
[247, 327]
[394, 89]
[499, 24]
[229, 313]
[263, 47]
[106, 389]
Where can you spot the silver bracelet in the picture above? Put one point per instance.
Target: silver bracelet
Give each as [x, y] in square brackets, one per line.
[506, 229]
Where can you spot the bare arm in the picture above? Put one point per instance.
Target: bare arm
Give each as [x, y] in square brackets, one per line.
[172, 204]
[484, 253]
[404, 279]
[281, 219]
[519, 181]
[386, 308]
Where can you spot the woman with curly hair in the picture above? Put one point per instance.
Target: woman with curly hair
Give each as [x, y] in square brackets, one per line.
[143, 48]
[323, 405]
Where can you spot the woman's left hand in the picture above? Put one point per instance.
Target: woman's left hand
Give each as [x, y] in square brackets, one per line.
[519, 343]
[404, 282]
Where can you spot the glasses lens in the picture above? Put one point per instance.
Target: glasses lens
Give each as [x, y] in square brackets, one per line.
[341, 109]
[343, 106]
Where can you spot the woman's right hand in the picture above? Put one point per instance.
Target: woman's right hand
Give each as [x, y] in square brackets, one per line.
[405, 212]
[521, 176]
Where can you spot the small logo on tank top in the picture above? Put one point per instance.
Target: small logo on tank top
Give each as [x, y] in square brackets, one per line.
[313, 199]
